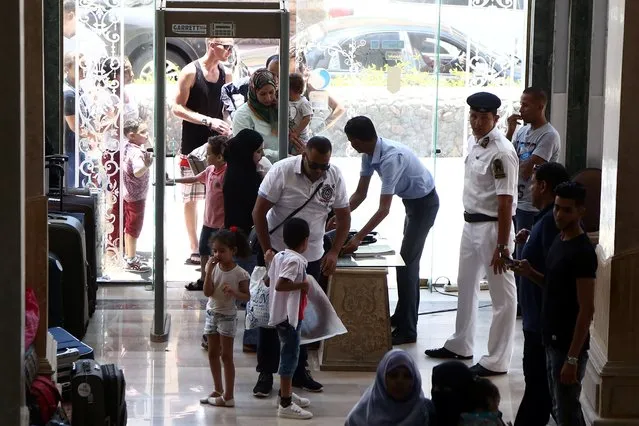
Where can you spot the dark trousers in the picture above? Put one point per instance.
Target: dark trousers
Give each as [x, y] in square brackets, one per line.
[523, 220]
[420, 217]
[268, 342]
[536, 405]
[565, 398]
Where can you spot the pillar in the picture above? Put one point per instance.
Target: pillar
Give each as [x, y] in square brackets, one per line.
[12, 216]
[611, 384]
[542, 34]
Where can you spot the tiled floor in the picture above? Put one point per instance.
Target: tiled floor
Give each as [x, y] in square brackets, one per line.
[165, 381]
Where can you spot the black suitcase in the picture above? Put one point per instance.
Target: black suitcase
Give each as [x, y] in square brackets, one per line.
[86, 205]
[114, 392]
[87, 394]
[98, 394]
[56, 303]
[67, 242]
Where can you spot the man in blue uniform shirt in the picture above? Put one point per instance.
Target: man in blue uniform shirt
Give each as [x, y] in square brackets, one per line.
[536, 404]
[404, 175]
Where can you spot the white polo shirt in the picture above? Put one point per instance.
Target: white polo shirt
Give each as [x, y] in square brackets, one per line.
[491, 169]
[287, 187]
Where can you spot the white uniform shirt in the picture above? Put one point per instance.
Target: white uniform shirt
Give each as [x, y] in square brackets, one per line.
[491, 169]
[287, 187]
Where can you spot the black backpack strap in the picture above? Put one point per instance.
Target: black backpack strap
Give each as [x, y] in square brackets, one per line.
[297, 210]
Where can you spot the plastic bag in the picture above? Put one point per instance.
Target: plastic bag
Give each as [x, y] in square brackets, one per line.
[320, 319]
[32, 317]
[257, 308]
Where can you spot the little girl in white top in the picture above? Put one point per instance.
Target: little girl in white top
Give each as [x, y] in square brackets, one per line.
[224, 283]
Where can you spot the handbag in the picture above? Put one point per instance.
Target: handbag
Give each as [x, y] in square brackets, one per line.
[252, 238]
[257, 308]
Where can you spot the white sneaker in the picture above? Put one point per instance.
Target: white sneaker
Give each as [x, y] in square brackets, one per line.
[301, 402]
[293, 411]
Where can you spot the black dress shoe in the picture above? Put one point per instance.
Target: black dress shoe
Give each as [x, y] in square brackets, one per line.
[399, 338]
[443, 353]
[481, 371]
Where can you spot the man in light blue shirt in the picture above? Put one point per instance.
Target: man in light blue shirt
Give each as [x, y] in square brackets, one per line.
[404, 175]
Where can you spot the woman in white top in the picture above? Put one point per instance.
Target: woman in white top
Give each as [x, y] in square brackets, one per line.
[259, 113]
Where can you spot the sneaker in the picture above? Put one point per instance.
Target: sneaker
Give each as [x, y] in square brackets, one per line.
[219, 401]
[135, 265]
[264, 385]
[307, 382]
[299, 401]
[293, 411]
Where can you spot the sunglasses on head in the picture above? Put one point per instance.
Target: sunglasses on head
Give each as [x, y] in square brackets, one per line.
[316, 166]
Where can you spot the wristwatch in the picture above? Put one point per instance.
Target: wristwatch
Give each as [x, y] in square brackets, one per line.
[501, 247]
[205, 121]
[572, 360]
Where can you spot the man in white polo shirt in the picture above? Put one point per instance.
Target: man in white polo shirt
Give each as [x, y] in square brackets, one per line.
[287, 186]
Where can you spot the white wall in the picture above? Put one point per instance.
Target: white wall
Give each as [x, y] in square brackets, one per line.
[597, 82]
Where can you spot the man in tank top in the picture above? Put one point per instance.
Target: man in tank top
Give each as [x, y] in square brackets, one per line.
[198, 104]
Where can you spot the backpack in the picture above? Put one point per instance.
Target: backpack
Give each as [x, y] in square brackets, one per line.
[46, 397]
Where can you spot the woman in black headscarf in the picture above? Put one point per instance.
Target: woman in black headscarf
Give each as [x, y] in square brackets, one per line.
[452, 392]
[242, 181]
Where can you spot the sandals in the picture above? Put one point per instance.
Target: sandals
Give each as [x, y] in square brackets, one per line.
[195, 286]
[194, 259]
[213, 394]
[219, 401]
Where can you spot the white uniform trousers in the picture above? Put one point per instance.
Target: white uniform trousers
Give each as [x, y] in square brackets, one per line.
[478, 244]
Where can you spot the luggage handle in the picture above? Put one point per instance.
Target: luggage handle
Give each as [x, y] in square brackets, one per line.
[60, 168]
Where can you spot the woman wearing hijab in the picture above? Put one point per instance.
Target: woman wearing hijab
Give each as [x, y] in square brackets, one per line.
[395, 398]
[241, 181]
[453, 384]
[259, 113]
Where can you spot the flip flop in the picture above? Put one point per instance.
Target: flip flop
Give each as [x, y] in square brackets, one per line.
[194, 259]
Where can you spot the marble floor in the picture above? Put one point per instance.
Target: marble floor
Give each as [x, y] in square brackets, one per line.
[166, 380]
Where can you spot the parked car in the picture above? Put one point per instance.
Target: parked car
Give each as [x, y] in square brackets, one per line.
[350, 44]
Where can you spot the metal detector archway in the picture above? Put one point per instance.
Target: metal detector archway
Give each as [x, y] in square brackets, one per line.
[202, 18]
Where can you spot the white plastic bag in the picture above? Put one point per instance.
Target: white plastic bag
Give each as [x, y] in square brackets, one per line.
[257, 308]
[320, 319]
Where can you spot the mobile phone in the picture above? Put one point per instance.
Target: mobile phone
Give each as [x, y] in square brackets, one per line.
[149, 149]
[508, 261]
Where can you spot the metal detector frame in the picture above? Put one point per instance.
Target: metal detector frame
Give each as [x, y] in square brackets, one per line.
[193, 18]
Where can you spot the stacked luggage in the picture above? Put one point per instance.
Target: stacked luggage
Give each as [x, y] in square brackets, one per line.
[73, 253]
[69, 350]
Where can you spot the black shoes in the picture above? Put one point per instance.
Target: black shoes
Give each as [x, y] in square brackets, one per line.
[305, 381]
[443, 353]
[481, 371]
[264, 386]
[401, 339]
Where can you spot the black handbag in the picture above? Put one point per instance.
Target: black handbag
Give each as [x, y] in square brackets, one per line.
[253, 241]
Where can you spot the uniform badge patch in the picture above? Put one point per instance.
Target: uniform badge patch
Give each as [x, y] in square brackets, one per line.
[484, 142]
[498, 169]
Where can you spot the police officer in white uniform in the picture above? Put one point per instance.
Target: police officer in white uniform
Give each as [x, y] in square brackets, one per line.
[490, 189]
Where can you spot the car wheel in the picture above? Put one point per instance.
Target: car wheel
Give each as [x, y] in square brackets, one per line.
[143, 64]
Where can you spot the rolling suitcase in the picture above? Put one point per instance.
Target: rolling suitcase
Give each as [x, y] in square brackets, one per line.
[87, 394]
[114, 391]
[86, 205]
[69, 350]
[67, 242]
[56, 304]
[98, 394]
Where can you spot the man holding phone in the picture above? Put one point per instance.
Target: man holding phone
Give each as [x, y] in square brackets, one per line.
[402, 174]
[490, 186]
[536, 404]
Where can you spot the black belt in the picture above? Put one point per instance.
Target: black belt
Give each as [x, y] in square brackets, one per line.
[478, 217]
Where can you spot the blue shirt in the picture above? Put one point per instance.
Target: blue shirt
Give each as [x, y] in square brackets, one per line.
[542, 235]
[399, 169]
